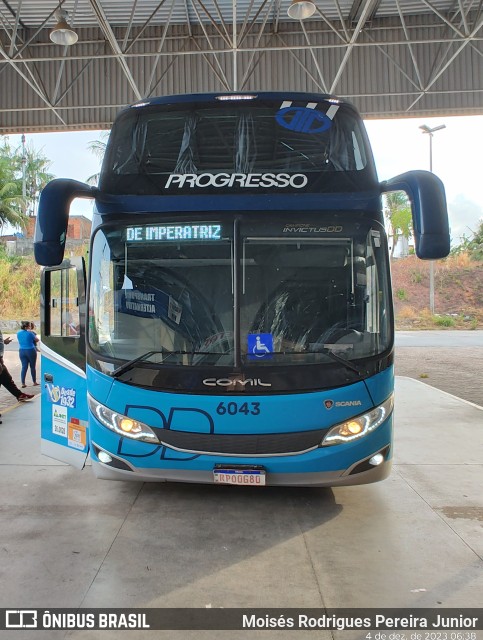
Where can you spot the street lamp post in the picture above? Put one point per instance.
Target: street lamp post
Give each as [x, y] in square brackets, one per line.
[24, 163]
[430, 131]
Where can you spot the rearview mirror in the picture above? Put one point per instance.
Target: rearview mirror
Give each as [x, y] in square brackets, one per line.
[430, 215]
[53, 216]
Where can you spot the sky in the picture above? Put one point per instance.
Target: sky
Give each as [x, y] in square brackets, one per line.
[398, 146]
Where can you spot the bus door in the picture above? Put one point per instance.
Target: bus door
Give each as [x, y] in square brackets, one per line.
[64, 427]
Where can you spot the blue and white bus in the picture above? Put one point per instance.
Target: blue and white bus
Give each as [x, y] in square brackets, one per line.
[235, 322]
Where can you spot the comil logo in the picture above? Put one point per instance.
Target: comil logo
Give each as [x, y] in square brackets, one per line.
[234, 382]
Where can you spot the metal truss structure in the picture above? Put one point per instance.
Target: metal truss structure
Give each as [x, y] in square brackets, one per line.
[391, 58]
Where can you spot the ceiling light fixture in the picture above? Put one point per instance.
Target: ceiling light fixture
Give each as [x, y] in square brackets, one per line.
[301, 9]
[62, 33]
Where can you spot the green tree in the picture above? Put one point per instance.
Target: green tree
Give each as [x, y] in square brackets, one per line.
[472, 245]
[35, 166]
[397, 210]
[11, 203]
[23, 174]
[98, 148]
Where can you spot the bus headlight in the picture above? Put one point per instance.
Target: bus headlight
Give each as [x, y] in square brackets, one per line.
[360, 426]
[120, 424]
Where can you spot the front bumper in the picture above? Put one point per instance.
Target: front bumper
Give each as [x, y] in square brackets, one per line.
[360, 472]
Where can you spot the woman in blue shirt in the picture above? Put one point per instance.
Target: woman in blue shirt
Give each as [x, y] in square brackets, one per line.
[27, 342]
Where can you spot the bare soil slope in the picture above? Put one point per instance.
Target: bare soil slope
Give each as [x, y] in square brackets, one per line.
[458, 293]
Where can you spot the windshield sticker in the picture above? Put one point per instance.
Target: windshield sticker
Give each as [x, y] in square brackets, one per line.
[63, 396]
[217, 340]
[151, 303]
[59, 420]
[260, 345]
[306, 119]
[174, 310]
[136, 302]
[76, 437]
[376, 237]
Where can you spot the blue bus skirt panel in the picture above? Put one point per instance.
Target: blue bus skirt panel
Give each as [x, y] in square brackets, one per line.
[244, 416]
[64, 413]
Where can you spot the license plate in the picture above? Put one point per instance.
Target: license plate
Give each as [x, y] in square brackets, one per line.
[245, 477]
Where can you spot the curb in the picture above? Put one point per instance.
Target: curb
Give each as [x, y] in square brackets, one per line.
[446, 393]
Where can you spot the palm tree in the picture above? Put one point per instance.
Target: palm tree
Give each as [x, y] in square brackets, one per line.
[23, 175]
[98, 148]
[32, 175]
[11, 209]
[397, 210]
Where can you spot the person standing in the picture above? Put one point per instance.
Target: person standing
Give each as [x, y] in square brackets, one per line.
[27, 343]
[32, 329]
[6, 379]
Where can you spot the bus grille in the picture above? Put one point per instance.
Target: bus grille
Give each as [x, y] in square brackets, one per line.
[241, 444]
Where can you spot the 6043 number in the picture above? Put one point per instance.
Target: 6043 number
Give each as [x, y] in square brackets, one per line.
[233, 408]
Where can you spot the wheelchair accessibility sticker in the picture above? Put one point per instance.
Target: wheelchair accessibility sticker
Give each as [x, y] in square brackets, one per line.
[260, 345]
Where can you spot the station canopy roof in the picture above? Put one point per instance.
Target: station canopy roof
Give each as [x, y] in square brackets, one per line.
[391, 58]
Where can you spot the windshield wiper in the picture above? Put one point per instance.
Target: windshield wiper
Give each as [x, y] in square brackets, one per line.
[131, 363]
[334, 356]
[320, 349]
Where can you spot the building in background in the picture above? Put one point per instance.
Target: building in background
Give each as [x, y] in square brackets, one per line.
[21, 243]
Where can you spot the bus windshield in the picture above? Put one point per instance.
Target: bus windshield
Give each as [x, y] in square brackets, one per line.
[238, 294]
[267, 145]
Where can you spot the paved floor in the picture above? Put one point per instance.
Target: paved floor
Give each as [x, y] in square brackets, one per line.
[439, 338]
[12, 362]
[414, 540]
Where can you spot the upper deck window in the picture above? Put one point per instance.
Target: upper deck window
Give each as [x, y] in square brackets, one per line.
[260, 146]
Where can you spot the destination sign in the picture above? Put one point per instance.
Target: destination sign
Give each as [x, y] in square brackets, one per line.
[173, 232]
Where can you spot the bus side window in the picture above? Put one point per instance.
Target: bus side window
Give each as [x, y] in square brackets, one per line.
[64, 303]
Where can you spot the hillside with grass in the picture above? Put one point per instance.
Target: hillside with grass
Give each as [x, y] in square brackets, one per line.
[19, 288]
[458, 293]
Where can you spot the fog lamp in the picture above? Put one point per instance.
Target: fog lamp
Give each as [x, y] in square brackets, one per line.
[104, 457]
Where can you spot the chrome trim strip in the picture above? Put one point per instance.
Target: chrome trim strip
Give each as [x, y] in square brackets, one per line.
[238, 455]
